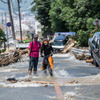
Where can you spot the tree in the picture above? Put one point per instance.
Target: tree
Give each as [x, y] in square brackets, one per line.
[75, 15]
[57, 22]
[41, 9]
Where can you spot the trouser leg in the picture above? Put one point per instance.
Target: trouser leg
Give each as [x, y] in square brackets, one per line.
[30, 65]
[45, 68]
[35, 64]
[50, 71]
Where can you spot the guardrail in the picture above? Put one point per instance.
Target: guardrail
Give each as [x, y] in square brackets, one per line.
[80, 51]
[22, 45]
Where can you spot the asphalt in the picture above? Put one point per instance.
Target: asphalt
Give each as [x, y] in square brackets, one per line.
[67, 69]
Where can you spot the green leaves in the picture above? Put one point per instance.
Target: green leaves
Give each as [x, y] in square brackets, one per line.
[41, 9]
[67, 15]
[2, 36]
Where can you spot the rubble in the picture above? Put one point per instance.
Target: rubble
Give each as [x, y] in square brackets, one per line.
[13, 80]
[69, 45]
[89, 60]
[11, 57]
[82, 54]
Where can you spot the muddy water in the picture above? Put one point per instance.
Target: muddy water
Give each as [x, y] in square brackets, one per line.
[67, 69]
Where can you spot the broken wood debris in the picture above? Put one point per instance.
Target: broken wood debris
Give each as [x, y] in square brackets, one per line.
[44, 82]
[69, 45]
[12, 57]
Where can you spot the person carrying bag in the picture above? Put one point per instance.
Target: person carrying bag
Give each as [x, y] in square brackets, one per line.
[33, 54]
[47, 63]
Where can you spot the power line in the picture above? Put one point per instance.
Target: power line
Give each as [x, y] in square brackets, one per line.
[14, 8]
[14, 11]
[4, 2]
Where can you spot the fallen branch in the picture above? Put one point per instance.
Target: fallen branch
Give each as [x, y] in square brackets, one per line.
[13, 57]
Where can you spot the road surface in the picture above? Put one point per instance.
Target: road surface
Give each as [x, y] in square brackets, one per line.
[73, 80]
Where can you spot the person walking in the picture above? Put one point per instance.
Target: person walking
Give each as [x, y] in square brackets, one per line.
[33, 54]
[47, 50]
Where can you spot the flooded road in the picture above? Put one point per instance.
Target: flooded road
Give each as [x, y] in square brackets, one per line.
[73, 80]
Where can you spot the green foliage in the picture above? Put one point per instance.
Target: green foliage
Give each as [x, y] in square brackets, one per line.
[75, 15]
[3, 50]
[41, 9]
[2, 37]
[68, 15]
[27, 41]
[58, 24]
[82, 38]
[28, 36]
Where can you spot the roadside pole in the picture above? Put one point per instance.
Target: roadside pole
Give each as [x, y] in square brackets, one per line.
[11, 19]
[20, 20]
[6, 30]
[3, 30]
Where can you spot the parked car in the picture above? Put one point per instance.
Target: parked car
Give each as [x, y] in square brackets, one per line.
[59, 43]
[94, 48]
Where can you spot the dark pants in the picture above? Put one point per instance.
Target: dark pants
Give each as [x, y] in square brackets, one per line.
[47, 65]
[33, 63]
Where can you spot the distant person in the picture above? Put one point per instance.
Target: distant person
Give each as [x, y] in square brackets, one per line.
[33, 54]
[59, 34]
[47, 63]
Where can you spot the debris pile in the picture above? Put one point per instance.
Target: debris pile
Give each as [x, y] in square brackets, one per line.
[11, 57]
[69, 45]
[82, 54]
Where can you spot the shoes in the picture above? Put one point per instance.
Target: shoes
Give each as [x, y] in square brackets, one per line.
[51, 74]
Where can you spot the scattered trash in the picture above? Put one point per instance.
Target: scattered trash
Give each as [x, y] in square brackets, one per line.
[12, 80]
[69, 95]
[72, 82]
[46, 86]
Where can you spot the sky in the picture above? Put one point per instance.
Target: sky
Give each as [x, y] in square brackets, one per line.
[24, 5]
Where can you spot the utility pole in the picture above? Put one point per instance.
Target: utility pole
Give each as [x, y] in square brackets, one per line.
[11, 19]
[6, 29]
[2, 19]
[3, 29]
[20, 20]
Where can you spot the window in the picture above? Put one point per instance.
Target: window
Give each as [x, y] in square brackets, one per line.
[58, 43]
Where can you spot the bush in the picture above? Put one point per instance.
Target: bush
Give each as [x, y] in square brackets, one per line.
[27, 41]
[28, 36]
[3, 50]
[2, 36]
[82, 38]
